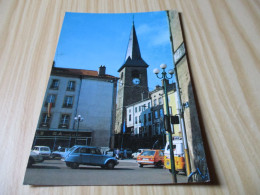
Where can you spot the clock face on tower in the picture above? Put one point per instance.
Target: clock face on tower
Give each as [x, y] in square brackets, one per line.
[136, 81]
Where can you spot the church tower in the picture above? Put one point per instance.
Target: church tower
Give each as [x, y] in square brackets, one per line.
[133, 84]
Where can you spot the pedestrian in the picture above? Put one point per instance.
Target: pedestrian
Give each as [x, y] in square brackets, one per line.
[117, 153]
[125, 154]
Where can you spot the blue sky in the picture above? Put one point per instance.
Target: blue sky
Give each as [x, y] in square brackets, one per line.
[89, 40]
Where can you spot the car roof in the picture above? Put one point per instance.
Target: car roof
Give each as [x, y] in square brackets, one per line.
[82, 146]
[42, 146]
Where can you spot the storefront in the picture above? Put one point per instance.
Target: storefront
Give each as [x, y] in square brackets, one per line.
[66, 139]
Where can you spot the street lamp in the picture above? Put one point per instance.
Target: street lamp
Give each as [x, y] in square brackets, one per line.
[164, 77]
[78, 119]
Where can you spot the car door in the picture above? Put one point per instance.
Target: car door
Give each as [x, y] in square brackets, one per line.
[96, 157]
[85, 155]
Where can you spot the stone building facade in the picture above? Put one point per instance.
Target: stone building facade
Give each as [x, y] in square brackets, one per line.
[193, 131]
[133, 83]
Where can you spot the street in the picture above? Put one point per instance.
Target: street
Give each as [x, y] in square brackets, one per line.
[127, 172]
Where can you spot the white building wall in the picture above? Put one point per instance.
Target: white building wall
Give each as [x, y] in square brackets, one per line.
[136, 110]
[60, 93]
[96, 106]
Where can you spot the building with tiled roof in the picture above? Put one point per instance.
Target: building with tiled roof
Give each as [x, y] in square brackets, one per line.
[72, 92]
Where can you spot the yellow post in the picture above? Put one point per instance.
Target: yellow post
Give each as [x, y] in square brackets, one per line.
[187, 161]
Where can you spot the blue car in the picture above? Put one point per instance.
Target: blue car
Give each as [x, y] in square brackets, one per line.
[88, 155]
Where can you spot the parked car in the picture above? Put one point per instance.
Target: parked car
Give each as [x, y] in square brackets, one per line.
[59, 153]
[34, 158]
[137, 153]
[44, 151]
[87, 155]
[151, 157]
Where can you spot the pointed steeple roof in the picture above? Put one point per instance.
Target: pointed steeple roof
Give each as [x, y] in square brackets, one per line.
[133, 54]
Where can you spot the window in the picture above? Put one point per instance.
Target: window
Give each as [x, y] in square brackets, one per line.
[50, 99]
[154, 102]
[68, 102]
[135, 74]
[136, 120]
[54, 84]
[71, 86]
[130, 117]
[45, 120]
[77, 150]
[85, 150]
[149, 117]
[64, 122]
[155, 114]
[139, 119]
[161, 113]
[143, 107]
[139, 108]
[160, 101]
[135, 109]
[144, 119]
[149, 105]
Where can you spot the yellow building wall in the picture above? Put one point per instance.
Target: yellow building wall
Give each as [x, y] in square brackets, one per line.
[172, 101]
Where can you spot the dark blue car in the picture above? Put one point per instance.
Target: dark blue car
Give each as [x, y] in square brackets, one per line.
[87, 155]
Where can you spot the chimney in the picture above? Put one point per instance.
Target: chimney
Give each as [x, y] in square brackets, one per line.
[101, 70]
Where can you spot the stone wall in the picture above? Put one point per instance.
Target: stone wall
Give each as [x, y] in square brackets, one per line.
[193, 131]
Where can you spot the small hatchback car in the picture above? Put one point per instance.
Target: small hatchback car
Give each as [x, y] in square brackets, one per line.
[151, 157]
[87, 155]
[44, 151]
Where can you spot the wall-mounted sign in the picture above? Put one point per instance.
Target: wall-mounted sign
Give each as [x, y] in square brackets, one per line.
[179, 53]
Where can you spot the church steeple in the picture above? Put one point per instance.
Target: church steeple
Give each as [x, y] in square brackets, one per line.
[133, 54]
[133, 50]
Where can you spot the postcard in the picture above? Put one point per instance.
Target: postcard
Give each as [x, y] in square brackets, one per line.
[119, 107]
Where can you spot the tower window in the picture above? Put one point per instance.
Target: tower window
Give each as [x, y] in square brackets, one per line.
[135, 74]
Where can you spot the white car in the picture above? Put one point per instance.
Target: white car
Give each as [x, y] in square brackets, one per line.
[34, 158]
[138, 152]
[44, 151]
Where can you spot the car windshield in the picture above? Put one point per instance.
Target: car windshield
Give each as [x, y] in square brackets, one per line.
[148, 153]
[72, 148]
[44, 149]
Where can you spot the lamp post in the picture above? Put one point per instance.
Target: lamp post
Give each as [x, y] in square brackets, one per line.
[78, 119]
[164, 77]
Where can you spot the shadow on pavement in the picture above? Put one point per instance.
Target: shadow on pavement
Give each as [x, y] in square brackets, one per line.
[96, 168]
[43, 167]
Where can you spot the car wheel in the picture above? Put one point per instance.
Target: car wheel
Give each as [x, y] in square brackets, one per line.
[74, 165]
[141, 165]
[67, 164]
[158, 164]
[110, 165]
